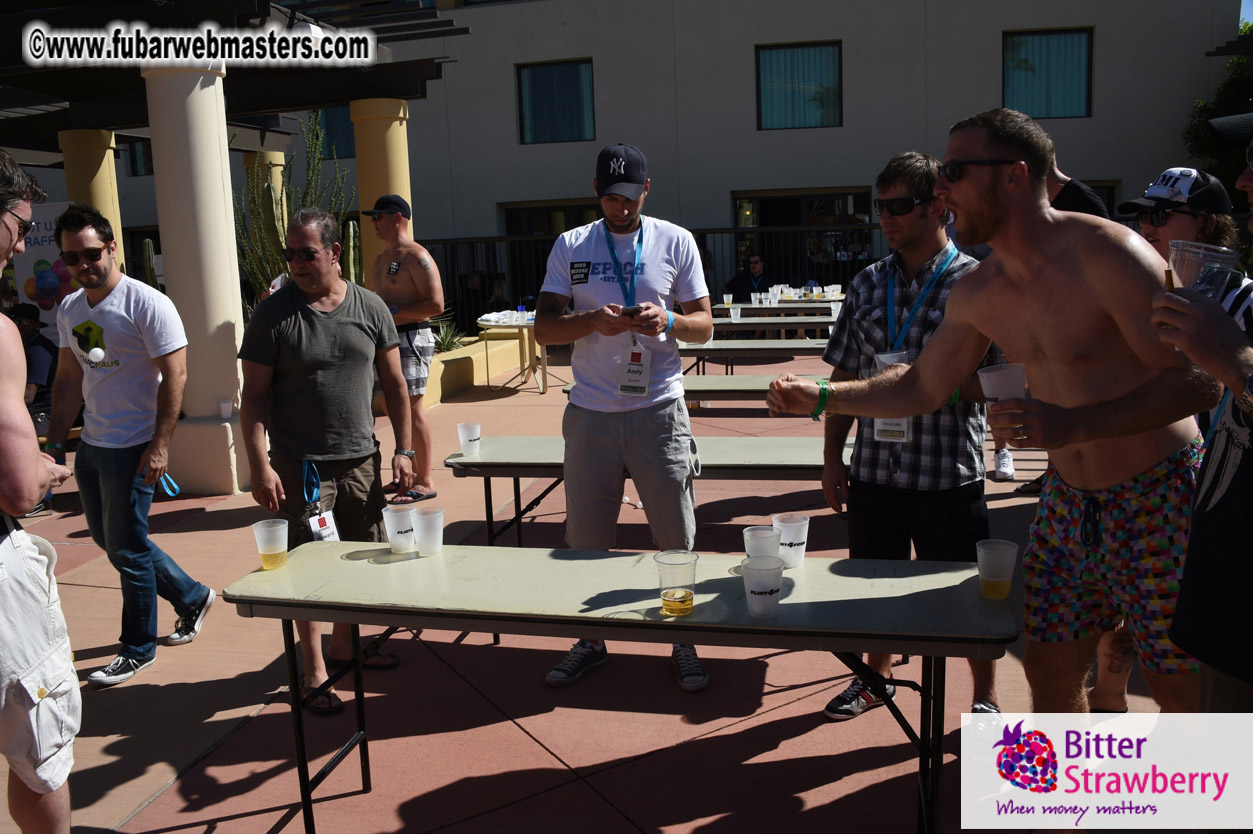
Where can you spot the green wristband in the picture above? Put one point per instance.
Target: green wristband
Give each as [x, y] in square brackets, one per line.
[56, 447]
[956, 396]
[823, 391]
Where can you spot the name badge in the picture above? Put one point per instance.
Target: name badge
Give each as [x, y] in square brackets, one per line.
[323, 527]
[633, 378]
[393, 267]
[893, 429]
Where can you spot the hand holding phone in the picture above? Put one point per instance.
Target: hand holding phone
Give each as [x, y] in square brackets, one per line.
[632, 311]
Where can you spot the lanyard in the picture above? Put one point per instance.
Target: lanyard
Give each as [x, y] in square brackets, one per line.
[1218, 416]
[898, 341]
[313, 482]
[628, 290]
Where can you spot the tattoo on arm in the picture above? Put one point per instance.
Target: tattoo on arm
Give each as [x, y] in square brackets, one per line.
[424, 262]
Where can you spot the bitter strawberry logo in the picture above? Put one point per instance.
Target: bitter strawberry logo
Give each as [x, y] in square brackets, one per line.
[1028, 760]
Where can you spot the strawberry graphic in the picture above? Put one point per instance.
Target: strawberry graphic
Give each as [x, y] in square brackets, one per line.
[1028, 760]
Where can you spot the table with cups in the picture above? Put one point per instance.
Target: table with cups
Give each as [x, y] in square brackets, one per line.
[532, 357]
[728, 350]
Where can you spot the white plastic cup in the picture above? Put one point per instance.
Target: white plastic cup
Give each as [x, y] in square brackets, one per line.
[676, 581]
[399, 522]
[761, 541]
[1004, 382]
[469, 434]
[225, 409]
[728, 299]
[428, 529]
[271, 536]
[997, 558]
[836, 306]
[793, 536]
[756, 299]
[838, 289]
[882, 360]
[735, 314]
[763, 585]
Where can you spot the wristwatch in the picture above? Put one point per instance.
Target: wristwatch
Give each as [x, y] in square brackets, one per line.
[1245, 401]
[409, 453]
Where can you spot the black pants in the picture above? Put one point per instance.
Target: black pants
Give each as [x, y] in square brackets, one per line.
[943, 525]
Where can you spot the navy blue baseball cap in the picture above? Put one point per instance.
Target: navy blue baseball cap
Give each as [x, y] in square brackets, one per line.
[390, 204]
[621, 169]
[1235, 127]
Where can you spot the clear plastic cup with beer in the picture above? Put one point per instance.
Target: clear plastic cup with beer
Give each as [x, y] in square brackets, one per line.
[271, 536]
[676, 579]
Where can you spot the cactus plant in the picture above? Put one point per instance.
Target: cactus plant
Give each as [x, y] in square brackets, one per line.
[351, 257]
[150, 264]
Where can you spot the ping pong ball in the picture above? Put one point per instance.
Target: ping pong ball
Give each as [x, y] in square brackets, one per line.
[95, 354]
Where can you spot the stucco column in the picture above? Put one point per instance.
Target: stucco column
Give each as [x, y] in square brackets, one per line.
[91, 178]
[378, 127]
[193, 185]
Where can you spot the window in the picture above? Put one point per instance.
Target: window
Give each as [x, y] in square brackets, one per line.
[141, 158]
[798, 86]
[1048, 75]
[338, 141]
[556, 102]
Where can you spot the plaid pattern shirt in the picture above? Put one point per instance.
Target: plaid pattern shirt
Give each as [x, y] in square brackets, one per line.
[946, 449]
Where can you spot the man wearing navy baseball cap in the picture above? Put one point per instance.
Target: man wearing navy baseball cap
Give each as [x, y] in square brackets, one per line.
[611, 289]
[1183, 204]
[1212, 613]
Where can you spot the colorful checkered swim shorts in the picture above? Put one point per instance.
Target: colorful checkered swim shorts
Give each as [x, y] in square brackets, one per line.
[1095, 557]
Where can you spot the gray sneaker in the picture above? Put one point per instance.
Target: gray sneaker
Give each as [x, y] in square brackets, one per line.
[582, 658]
[855, 700]
[121, 669]
[186, 628]
[692, 675]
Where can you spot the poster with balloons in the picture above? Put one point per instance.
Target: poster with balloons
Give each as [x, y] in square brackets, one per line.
[41, 277]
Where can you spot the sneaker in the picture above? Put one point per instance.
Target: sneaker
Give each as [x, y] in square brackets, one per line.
[582, 657]
[186, 628]
[855, 700]
[984, 707]
[121, 669]
[1004, 470]
[692, 676]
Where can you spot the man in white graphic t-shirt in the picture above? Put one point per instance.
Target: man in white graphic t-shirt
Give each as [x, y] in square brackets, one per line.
[124, 355]
[611, 289]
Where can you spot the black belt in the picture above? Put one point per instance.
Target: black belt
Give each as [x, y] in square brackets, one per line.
[416, 325]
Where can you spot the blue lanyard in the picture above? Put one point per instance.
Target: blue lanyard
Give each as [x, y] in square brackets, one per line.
[628, 290]
[898, 341]
[313, 482]
[1218, 416]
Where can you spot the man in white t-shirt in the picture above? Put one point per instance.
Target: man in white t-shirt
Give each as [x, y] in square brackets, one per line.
[125, 356]
[621, 277]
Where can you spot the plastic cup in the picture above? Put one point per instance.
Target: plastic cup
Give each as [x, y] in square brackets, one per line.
[735, 314]
[1004, 382]
[1202, 266]
[761, 541]
[428, 529]
[225, 408]
[882, 360]
[271, 536]
[836, 306]
[398, 520]
[727, 299]
[997, 558]
[763, 585]
[793, 536]
[469, 434]
[676, 581]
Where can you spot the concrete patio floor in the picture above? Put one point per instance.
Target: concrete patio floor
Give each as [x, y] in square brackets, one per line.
[464, 736]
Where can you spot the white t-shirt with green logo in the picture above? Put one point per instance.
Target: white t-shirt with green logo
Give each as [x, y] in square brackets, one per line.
[133, 325]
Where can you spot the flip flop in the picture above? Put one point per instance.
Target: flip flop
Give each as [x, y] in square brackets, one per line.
[390, 489]
[328, 703]
[412, 497]
[379, 660]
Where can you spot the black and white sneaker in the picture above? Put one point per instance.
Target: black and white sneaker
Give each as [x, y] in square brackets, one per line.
[186, 628]
[855, 700]
[121, 669]
[581, 658]
[692, 675]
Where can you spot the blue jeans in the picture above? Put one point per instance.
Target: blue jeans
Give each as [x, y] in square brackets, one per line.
[116, 502]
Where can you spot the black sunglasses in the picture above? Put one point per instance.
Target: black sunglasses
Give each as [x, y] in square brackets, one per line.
[306, 253]
[899, 206]
[24, 226]
[1248, 157]
[93, 255]
[1159, 216]
[952, 170]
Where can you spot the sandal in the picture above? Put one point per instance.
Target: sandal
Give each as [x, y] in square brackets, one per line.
[1033, 487]
[328, 703]
[412, 497]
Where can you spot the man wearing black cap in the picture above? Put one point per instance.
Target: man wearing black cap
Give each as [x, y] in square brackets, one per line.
[1212, 615]
[406, 278]
[624, 275]
[41, 357]
[1183, 204]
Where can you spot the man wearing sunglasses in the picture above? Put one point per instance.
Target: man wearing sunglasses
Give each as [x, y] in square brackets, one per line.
[919, 481]
[123, 354]
[1069, 295]
[753, 279]
[309, 354]
[406, 278]
[40, 704]
[1212, 619]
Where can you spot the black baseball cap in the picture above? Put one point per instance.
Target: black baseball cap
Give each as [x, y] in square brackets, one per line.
[1178, 187]
[390, 204]
[1235, 127]
[621, 169]
[26, 311]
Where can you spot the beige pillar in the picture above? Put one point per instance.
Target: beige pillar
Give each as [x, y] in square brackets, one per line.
[378, 126]
[90, 176]
[193, 186]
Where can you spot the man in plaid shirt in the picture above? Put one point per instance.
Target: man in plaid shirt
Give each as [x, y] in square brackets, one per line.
[914, 480]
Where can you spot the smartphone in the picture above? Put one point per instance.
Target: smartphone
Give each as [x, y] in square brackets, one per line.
[632, 311]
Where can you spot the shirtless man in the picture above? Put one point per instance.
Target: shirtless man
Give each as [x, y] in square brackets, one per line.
[1069, 295]
[406, 277]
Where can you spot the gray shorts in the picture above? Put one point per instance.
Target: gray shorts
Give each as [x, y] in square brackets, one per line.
[417, 348]
[654, 445]
[352, 488]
